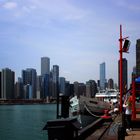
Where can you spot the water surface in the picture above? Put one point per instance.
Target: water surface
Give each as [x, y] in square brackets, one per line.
[25, 122]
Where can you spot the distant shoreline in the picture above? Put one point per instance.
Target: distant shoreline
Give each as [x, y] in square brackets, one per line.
[25, 102]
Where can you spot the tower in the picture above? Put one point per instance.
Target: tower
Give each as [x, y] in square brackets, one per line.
[102, 76]
[45, 65]
[7, 83]
[124, 74]
[55, 80]
[29, 77]
[138, 58]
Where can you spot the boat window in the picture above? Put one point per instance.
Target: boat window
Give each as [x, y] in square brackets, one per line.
[94, 102]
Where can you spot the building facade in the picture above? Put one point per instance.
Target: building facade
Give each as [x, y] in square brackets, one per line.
[0, 84]
[102, 76]
[45, 65]
[124, 74]
[62, 85]
[55, 81]
[91, 88]
[7, 83]
[110, 84]
[138, 58]
[29, 77]
[19, 89]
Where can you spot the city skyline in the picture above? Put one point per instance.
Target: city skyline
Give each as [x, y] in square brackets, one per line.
[51, 69]
[76, 35]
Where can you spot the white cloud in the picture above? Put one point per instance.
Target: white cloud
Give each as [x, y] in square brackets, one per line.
[62, 10]
[131, 5]
[10, 5]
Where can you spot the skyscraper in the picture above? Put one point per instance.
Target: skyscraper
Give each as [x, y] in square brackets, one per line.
[91, 88]
[45, 86]
[62, 84]
[102, 76]
[29, 77]
[124, 74]
[55, 80]
[0, 84]
[38, 86]
[110, 84]
[45, 65]
[19, 89]
[7, 83]
[138, 58]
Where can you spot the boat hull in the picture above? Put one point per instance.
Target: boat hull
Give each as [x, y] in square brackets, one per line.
[88, 109]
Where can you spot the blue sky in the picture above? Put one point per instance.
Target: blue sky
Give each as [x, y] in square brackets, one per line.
[77, 35]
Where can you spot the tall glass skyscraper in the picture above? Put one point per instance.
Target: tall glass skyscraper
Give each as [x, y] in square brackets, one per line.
[62, 83]
[138, 57]
[29, 77]
[55, 80]
[124, 74]
[102, 76]
[45, 65]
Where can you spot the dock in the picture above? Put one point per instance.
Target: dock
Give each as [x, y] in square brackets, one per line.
[133, 135]
[110, 131]
[101, 129]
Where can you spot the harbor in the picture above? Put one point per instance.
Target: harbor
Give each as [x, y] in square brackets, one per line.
[70, 70]
[111, 124]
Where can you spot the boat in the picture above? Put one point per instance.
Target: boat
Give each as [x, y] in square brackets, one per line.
[87, 109]
[109, 95]
[74, 106]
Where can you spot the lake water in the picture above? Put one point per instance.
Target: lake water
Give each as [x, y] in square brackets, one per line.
[25, 122]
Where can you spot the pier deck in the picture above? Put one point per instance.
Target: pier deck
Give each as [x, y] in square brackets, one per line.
[133, 135]
[110, 132]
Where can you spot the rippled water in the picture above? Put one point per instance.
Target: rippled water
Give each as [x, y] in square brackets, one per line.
[25, 122]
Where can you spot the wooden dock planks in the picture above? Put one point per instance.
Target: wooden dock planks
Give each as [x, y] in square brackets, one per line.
[133, 135]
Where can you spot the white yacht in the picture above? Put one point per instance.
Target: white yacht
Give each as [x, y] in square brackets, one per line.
[108, 95]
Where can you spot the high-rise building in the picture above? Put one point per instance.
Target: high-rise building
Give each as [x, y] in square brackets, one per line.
[102, 76]
[71, 89]
[62, 83]
[67, 88]
[29, 77]
[79, 89]
[55, 81]
[133, 75]
[38, 86]
[0, 84]
[28, 91]
[91, 88]
[7, 83]
[82, 89]
[124, 74]
[76, 86]
[45, 87]
[110, 84]
[138, 58]
[19, 89]
[45, 65]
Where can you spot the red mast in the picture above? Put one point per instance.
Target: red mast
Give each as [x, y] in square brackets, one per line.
[125, 50]
[121, 55]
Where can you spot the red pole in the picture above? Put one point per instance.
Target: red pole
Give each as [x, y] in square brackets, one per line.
[121, 55]
[133, 100]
